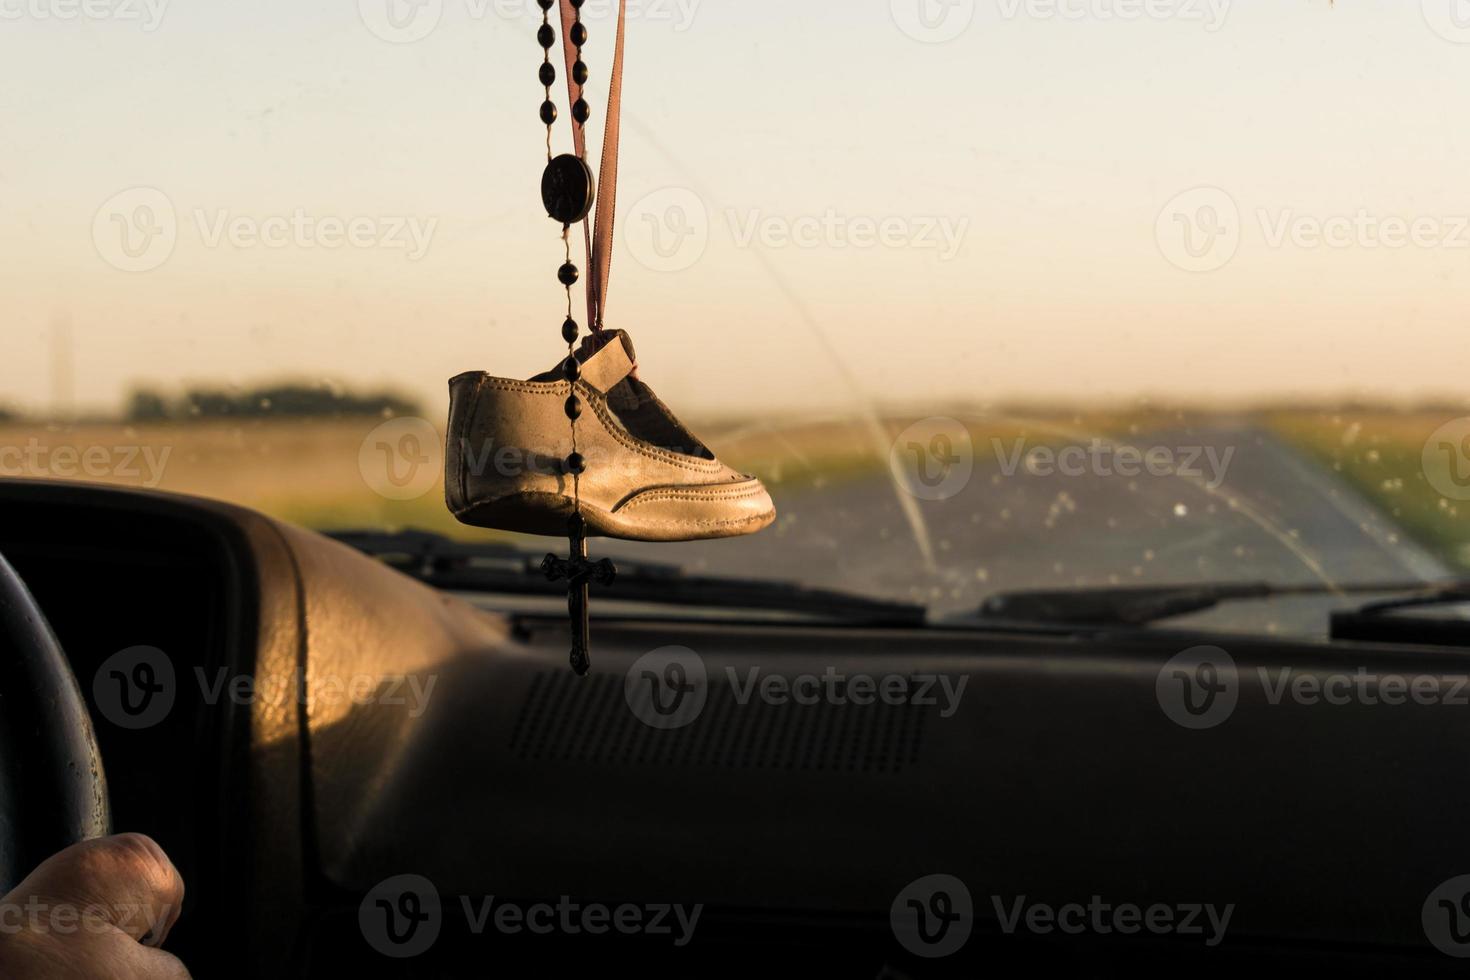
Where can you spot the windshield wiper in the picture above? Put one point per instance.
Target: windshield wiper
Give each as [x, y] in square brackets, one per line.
[1142, 605]
[501, 568]
[1380, 621]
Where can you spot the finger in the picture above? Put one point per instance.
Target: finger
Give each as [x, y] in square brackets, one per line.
[142, 963]
[44, 956]
[126, 881]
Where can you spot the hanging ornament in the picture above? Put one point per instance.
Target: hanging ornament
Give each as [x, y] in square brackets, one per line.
[624, 466]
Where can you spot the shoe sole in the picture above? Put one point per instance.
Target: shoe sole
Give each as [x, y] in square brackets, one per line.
[530, 512]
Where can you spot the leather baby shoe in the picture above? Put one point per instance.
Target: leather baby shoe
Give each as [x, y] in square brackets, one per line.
[646, 477]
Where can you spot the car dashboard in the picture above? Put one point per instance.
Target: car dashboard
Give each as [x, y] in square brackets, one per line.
[335, 726]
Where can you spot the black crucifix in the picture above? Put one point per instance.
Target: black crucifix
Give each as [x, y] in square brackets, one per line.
[579, 572]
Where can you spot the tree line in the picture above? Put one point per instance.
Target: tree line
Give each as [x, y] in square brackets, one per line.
[264, 402]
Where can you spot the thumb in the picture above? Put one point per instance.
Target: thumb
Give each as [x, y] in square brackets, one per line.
[126, 882]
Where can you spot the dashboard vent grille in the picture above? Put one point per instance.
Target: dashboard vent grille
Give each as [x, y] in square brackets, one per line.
[565, 718]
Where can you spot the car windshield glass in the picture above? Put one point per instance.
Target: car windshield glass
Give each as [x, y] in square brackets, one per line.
[948, 510]
[996, 317]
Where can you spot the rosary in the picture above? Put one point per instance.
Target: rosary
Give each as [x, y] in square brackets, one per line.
[568, 192]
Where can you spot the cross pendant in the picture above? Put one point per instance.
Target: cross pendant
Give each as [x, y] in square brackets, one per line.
[579, 572]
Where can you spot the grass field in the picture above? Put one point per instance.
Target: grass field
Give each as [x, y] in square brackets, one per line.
[1381, 456]
[315, 472]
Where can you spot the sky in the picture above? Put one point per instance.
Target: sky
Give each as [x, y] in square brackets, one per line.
[820, 202]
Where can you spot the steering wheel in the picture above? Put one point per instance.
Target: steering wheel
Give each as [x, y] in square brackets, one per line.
[53, 792]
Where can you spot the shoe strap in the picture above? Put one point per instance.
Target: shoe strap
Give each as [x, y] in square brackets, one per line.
[612, 363]
[598, 238]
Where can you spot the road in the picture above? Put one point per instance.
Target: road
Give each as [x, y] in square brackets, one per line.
[1237, 505]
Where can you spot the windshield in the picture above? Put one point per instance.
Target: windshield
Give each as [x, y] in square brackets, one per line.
[987, 314]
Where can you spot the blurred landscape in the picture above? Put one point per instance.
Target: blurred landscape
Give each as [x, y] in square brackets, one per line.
[297, 452]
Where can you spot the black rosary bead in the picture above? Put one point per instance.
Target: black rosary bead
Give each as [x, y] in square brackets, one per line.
[573, 408]
[545, 36]
[576, 464]
[577, 4]
[579, 34]
[567, 274]
[579, 72]
[548, 112]
[571, 369]
[548, 73]
[546, 4]
[580, 111]
[569, 331]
